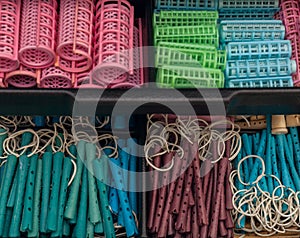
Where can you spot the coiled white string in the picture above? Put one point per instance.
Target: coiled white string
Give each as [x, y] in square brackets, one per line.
[268, 213]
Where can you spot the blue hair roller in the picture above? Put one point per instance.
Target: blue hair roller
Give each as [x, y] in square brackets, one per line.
[286, 178]
[39, 121]
[132, 178]
[130, 225]
[295, 138]
[290, 159]
[260, 152]
[8, 217]
[114, 200]
[290, 144]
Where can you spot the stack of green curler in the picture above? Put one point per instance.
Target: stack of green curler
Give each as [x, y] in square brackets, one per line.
[187, 54]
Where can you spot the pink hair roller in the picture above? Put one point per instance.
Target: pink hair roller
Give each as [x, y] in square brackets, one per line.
[54, 77]
[113, 42]
[38, 32]
[9, 31]
[75, 33]
[24, 77]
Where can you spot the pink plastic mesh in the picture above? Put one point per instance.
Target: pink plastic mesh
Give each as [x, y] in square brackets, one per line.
[75, 32]
[24, 77]
[54, 77]
[38, 29]
[9, 34]
[137, 78]
[113, 39]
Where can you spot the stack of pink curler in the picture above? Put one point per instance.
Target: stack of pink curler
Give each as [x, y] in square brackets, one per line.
[41, 49]
[290, 15]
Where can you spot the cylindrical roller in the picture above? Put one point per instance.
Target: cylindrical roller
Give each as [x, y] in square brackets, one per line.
[54, 77]
[75, 32]
[38, 32]
[9, 31]
[113, 41]
[24, 77]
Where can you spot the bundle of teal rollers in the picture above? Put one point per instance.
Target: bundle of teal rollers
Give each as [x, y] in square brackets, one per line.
[52, 186]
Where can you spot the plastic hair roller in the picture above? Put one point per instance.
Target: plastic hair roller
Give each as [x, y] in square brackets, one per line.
[71, 207]
[5, 185]
[80, 227]
[27, 218]
[94, 210]
[129, 221]
[99, 166]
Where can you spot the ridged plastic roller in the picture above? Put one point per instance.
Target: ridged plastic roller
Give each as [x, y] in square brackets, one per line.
[38, 33]
[75, 32]
[10, 14]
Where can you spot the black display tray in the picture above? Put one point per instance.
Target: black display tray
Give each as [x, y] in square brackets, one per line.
[148, 100]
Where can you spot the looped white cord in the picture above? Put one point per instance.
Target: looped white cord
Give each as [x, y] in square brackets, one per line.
[34, 144]
[259, 177]
[6, 122]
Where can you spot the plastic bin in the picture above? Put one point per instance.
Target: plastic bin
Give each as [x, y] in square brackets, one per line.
[272, 82]
[112, 43]
[184, 18]
[38, 33]
[188, 77]
[75, 32]
[259, 50]
[237, 69]
[190, 55]
[186, 4]
[254, 30]
[9, 32]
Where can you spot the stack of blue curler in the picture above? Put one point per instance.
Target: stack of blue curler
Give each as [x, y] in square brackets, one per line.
[266, 181]
[258, 56]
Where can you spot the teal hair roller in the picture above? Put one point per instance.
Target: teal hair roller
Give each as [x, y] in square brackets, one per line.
[257, 164]
[13, 191]
[124, 159]
[99, 228]
[53, 204]
[295, 138]
[26, 223]
[8, 217]
[290, 159]
[66, 174]
[130, 225]
[9, 171]
[71, 207]
[109, 230]
[46, 181]
[89, 229]
[132, 178]
[290, 144]
[94, 211]
[36, 200]
[26, 138]
[286, 178]
[114, 200]
[14, 230]
[268, 160]
[66, 228]
[80, 227]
